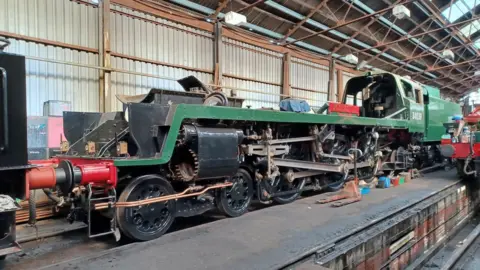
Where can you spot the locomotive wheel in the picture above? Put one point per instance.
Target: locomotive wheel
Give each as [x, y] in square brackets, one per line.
[146, 222]
[283, 185]
[233, 201]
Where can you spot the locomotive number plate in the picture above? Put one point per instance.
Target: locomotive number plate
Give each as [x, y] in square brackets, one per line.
[417, 116]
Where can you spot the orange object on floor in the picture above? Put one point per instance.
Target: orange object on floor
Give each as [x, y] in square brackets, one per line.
[349, 194]
[396, 181]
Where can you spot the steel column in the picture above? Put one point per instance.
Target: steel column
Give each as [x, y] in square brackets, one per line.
[105, 57]
[286, 89]
[331, 79]
[339, 85]
[217, 53]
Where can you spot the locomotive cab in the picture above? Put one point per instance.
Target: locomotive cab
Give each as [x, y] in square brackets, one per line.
[383, 95]
[379, 94]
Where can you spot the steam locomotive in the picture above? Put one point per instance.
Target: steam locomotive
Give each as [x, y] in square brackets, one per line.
[170, 154]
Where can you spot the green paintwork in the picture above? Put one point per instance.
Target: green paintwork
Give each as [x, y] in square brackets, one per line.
[440, 111]
[186, 111]
[433, 114]
[427, 119]
[431, 91]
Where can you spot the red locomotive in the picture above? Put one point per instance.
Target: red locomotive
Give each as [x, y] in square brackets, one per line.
[462, 143]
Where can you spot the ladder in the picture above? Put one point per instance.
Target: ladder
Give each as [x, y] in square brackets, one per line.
[111, 199]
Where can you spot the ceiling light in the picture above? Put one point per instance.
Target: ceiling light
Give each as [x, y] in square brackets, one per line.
[400, 12]
[352, 59]
[448, 54]
[234, 18]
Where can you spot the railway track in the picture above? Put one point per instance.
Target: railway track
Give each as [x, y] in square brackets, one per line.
[460, 251]
[470, 257]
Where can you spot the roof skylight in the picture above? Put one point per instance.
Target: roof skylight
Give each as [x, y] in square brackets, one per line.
[459, 8]
[470, 28]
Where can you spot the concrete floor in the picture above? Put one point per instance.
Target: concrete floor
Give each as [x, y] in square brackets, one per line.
[264, 239]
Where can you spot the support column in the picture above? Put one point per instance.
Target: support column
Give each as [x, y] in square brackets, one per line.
[286, 89]
[331, 77]
[104, 55]
[217, 54]
[339, 85]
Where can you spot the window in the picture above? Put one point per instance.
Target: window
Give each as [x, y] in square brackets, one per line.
[408, 89]
[351, 101]
[419, 93]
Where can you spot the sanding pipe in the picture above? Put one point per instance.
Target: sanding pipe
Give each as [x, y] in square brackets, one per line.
[64, 175]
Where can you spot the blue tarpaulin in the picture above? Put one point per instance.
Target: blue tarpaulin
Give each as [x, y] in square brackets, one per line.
[294, 105]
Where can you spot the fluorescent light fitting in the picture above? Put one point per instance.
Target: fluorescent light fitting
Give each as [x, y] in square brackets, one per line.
[352, 59]
[234, 18]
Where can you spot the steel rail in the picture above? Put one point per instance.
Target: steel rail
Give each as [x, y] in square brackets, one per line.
[460, 251]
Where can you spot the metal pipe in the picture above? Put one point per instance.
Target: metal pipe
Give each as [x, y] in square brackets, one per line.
[299, 139]
[323, 108]
[32, 208]
[325, 167]
[100, 206]
[465, 167]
